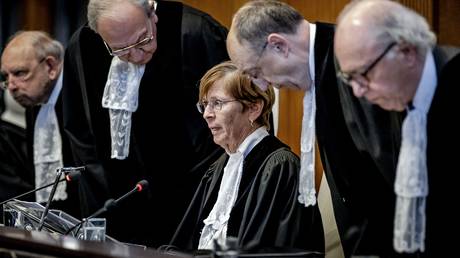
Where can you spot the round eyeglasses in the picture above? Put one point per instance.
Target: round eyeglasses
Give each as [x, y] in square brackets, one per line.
[214, 105]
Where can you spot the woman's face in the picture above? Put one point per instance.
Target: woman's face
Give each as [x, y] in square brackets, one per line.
[228, 123]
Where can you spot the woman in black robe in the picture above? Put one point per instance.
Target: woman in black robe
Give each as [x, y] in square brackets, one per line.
[250, 192]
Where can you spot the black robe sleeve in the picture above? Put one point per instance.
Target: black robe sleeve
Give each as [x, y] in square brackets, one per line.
[16, 171]
[83, 47]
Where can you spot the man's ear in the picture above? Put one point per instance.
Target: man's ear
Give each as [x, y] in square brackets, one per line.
[53, 67]
[409, 53]
[278, 43]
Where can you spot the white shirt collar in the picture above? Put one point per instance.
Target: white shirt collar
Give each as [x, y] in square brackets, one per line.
[427, 86]
[252, 140]
[311, 56]
[56, 90]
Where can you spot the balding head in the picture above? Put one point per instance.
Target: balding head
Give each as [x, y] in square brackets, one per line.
[39, 42]
[381, 47]
[31, 63]
[383, 21]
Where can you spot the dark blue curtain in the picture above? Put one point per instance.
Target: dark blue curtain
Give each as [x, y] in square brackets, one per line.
[67, 16]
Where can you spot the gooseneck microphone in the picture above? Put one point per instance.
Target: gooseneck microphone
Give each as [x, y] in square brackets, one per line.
[69, 177]
[53, 191]
[110, 204]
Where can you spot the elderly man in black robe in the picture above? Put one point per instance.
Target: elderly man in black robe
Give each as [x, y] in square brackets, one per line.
[388, 56]
[129, 110]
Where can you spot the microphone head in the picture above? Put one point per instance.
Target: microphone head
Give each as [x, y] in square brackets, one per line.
[73, 175]
[142, 185]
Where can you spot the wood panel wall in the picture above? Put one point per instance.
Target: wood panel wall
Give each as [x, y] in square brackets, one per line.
[37, 15]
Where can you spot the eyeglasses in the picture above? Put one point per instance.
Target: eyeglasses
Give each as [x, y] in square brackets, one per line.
[140, 44]
[215, 105]
[346, 78]
[22, 74]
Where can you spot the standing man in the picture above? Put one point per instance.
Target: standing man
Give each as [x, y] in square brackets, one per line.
[129, 110]
[272, 43]
[32, 66]
[387, 55]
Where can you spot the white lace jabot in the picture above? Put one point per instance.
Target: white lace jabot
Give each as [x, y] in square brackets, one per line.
[48, 147]
[307, 191]
[121, 98]
[411, 185]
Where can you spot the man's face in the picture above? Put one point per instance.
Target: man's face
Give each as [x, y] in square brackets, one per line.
[375, 70]
[269, 65]
[27, 77]
[132, 35]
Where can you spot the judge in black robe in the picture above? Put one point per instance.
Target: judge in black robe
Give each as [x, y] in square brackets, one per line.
[170, 145]
[369, 122]
[266, 214]
[34, 92]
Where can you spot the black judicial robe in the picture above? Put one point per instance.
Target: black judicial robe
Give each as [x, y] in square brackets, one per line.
[442, 217]
[359, 145]
[266, 213]
[166, 123]
[16, 173]
[352, 174]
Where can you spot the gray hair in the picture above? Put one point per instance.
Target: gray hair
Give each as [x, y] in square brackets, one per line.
[102, 8]
[255, 20]
[392, 21]
[42, 44]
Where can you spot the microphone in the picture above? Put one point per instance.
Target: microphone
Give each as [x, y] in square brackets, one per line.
[109, 205]
[53, 191]
[69, 177]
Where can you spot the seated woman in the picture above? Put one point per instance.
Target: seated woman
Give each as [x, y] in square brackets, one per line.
[250, 192]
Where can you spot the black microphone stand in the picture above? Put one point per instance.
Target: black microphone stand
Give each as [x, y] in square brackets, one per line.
[50, 198]
[109, 204]
[29, 192]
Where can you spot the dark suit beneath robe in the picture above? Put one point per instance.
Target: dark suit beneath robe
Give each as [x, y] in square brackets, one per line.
[170, 144]
[266, 213]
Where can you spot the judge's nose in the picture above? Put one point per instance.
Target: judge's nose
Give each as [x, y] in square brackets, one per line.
[358, 89]
[135, 55]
